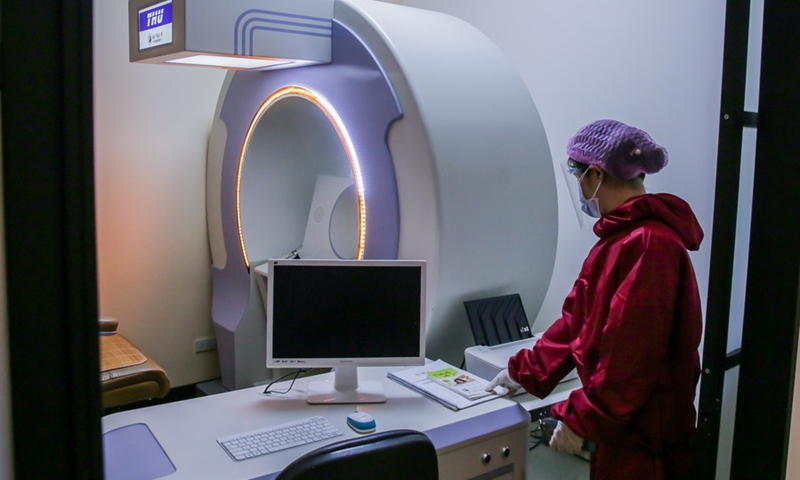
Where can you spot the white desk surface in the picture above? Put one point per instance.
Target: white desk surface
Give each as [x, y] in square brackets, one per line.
[187, 430]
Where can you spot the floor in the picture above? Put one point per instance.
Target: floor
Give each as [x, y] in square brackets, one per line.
[545, 464]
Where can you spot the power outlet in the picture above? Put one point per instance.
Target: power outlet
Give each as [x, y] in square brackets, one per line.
[205, 344]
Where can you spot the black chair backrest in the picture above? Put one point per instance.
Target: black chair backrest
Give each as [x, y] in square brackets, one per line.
[390, 455]
[496, 320]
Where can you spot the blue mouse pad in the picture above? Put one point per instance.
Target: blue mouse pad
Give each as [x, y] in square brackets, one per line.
[133, 453]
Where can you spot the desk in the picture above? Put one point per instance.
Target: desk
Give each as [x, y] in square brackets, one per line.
[187, 430]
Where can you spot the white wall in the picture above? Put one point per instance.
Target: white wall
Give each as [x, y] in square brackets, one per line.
[151, 128]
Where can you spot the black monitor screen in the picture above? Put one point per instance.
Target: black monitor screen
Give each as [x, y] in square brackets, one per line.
[346, 310]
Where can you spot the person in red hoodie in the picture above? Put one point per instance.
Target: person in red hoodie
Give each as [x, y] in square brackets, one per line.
[632, 323]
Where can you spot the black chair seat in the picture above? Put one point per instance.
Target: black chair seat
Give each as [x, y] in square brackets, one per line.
[391, 455]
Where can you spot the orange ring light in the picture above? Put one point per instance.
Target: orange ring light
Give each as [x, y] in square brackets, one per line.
[344, 137]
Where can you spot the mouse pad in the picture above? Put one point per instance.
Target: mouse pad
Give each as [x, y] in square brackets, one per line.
[133, 453]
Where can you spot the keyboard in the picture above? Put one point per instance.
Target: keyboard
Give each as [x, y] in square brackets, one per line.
[275, 438]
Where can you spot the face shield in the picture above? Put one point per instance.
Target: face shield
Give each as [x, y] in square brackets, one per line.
[586, 222]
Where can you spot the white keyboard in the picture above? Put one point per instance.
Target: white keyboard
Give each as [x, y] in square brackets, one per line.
[278, 437]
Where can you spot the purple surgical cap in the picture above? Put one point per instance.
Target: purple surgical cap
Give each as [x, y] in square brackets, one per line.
[621, 150]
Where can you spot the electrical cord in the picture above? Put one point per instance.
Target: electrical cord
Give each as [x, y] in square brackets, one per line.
[536, 435]
[296, 374]
[543, 431]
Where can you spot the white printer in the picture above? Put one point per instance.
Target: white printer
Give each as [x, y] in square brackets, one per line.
[486, 362]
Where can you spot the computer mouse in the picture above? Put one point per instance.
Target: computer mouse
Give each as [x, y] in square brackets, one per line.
[361, 422]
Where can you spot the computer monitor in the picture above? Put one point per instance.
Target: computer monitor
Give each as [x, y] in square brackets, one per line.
[345, 314]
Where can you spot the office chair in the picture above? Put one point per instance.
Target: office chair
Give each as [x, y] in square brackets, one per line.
[496, 320]
[390, 455]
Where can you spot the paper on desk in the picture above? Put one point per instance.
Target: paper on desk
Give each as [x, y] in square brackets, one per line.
[416, 378]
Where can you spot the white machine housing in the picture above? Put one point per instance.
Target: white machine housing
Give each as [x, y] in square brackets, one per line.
[487, 361]
[427, 118]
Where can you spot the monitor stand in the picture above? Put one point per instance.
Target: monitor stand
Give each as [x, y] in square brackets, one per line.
[345, 388]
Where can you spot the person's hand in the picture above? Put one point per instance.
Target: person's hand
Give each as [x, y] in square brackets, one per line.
[503, 379]
[564, 440]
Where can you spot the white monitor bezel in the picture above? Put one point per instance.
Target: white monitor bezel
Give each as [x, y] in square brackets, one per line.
[418, 359]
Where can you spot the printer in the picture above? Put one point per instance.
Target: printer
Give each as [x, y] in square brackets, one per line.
[487, 361]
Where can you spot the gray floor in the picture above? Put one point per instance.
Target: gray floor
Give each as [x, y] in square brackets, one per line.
[545, 464]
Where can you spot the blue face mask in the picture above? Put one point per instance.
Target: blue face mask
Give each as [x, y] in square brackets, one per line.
[590, 206]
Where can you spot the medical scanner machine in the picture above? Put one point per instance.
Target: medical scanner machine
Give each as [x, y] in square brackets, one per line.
[359, 129]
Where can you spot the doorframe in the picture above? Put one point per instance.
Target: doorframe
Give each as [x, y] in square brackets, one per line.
[51, 274]
[772, 300]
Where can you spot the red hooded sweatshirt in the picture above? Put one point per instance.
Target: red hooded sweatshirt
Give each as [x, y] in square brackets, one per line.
[631, 326]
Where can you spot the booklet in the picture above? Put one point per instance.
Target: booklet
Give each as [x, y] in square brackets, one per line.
[461, 382]
[417, 379]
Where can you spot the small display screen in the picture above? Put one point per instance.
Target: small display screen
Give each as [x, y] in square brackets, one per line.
[346, 311]
[155, 25]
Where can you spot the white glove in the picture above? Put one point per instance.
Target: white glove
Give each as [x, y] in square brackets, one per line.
[564, 440]
[503, 379]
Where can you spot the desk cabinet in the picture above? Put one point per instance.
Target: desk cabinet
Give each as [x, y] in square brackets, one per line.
[494, 457]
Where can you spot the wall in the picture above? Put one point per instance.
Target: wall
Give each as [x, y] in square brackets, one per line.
[151, 128]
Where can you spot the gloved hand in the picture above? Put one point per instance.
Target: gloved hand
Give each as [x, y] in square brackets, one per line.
[564, 440]
[503, 379]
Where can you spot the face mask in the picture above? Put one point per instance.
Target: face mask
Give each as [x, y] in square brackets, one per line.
[591, 206]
